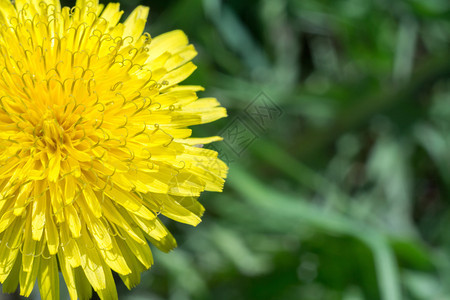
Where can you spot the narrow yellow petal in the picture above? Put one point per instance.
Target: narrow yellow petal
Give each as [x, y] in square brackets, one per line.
[70, 189]
[23, 198]
[7, 11]
[91, 261]
[178, 75]
[83, 285]
[69, 276]
[109, 292]
[114, 216]
[112, 14]
[54, 166]
[9, 246]
[115, 259]
[91, 202]
[98, 231]
[130, 202]
[180, 58]
[48, 278]
[38, 211]
[51, 233]
[29, 248]
[174, 210]
[135, 23]
[73, 220]
[165, 244]
[200, 141]
[167, 42]
[6, 220]
[10, 284]
[131, 280]
[141, 251]
[57, 205]
[27, 279]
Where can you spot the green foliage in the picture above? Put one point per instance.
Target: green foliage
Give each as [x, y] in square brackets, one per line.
[346, 195]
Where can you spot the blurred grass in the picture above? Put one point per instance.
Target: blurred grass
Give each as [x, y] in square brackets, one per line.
[346, 195]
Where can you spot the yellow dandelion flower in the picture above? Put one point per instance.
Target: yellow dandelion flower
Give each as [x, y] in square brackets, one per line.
[94, 145]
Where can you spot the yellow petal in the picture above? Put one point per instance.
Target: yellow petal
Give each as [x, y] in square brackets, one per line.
[83, 285]
[114, 216]
[180, 58]
[27, 279]
[9, 284]
[178, 75]
[91, 202]
[9, 247]
[51, 233]
[69, 247]
[170, 42]
[129, 201]
[131, 280]
[141, 251]
[70, 189]
[200, 141]
[23, 198]
[69, 277]
[165, 244]
[115, 259]
[29, 248]
[174, 210]
[112, 14]
[48, 278]
[91, 262]
[135, 23]
[110, 292]
[38, 211]
[73, 220]
[7, 11]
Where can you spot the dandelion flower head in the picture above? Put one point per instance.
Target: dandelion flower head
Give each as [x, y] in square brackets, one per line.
[94, 145]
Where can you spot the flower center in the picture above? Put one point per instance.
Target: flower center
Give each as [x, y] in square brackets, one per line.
[50, 131]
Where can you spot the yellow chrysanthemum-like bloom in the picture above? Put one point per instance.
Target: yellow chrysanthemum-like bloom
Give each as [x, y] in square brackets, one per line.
[94, 145]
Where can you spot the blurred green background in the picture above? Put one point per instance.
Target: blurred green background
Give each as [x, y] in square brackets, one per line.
[338, 145]
[343, 191]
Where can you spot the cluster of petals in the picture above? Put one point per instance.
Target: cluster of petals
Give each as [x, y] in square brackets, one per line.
[94, 145]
